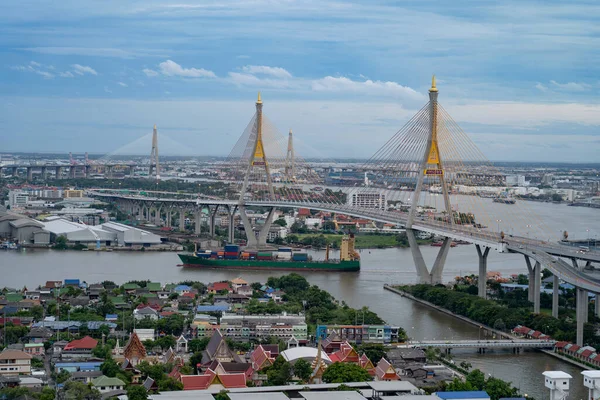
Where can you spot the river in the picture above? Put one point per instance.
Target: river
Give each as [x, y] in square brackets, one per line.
[365, 288]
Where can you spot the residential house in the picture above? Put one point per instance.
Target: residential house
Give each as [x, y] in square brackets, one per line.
[85, 376]
[34, 349]
[14, 362]
[80, 348]
[104, 384]
[238, 283]
[217, 287]
[145, 312]
[39, 335]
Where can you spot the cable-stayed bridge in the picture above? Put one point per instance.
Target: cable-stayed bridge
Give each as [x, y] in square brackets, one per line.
[429, 177]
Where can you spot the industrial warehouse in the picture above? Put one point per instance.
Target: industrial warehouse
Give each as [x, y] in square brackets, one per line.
[25, 230]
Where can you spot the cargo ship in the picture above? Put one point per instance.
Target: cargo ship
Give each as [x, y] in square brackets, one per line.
[285, 258]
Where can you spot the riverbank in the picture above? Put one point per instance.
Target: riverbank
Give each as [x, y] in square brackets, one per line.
[486, 329]
[363, 241]
[569, 360]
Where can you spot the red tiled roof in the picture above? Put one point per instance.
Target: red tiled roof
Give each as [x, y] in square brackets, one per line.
[198, 382]
[574, 348]
[87, 343]
[218, 286]
[586, 353]
[155, 307]
[303, 211]
[536, 334]
[521, 329]
[560, 345]
[233, 381]
[384, 371]
[189, 294]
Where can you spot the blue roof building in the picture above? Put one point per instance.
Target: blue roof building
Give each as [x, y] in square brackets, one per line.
[213, 307]
[470, 395]
[78, 366]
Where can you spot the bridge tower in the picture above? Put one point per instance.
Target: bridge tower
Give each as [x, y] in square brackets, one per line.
[258, 159]
[154, 155]
[290, 167]
[431, 166]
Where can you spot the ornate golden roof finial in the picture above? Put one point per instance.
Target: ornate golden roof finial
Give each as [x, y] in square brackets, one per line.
[259, 100]
[433, 88]
[154, 126]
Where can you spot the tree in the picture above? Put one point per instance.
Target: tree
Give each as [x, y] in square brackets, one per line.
[222, 395]
[62, 376]
[302, 369]
[110, 368]
[465, 365]
[345, 372]
[329, 226]
[80, 391]
[37, 363]
[165, 342]
[374, 351]
[61, 243]
[280, 222]
[137, 392]
[198, 345]
[477, 379]
[279, 373]
[498, 389]
[169, 384]
[37, 312]
[104, 352]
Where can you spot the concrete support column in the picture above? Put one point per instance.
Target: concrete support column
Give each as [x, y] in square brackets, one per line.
[108, 171]
[88, 171]
[72, 172]
[29, 174]
[198, 224]
[212, 213]
[531, 271]
[264, 231]
[586, 306]
[44, 171]
[58, 173]
[168, 218]
[580, 314]
[250, 237]
[14, 171]
[555, 292]
[536, 287]
[422, 271]
[181, 220]
[231, 218]
[597, 305]
[158, 216]
[482, 280]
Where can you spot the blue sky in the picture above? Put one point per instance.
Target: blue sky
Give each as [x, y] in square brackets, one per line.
[521, 78]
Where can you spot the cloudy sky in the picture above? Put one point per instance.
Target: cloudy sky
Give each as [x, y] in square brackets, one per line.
[521, 78]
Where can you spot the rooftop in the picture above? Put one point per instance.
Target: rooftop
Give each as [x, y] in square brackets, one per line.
[557, 375]
[344, 395]
[463, 395]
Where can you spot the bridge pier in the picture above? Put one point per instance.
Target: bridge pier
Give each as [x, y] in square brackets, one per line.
[252, 242]
[58, 173]
[537, 283]
[264, 231]
[531, 272]
[482, 280]
[181, 220]
[168, 217]
[29, 174]
[597, 305]
[158, 216]
[198, 223]
[14, 171]
[231, 219]
[555, 293]
[435, 277]
[581, 302]
[44, 172]
[88, 171]
[72, 171]
[212, 213]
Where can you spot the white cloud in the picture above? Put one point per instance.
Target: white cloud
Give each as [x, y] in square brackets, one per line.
[149, 72]
[241, 79]
[67, 74]
[107, 90]
[45, 74]
[171, 68]
[343, 84]
[83, 69]
[276, 72]
[35, 68]
[541, 87]
[571, 86]
[35, 64]
[123, 84]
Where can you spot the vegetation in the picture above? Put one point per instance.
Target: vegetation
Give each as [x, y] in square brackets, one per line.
[504, 314]
[319, 305]
[475, 380]
[363, 241]
[345, 372]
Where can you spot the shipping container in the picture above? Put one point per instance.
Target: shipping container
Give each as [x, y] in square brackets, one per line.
[300, 257]
[232, 247]
[231, 253]
[235, 257]
[265, 254]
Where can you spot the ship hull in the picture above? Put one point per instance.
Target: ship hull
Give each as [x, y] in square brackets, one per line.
[192, 261]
